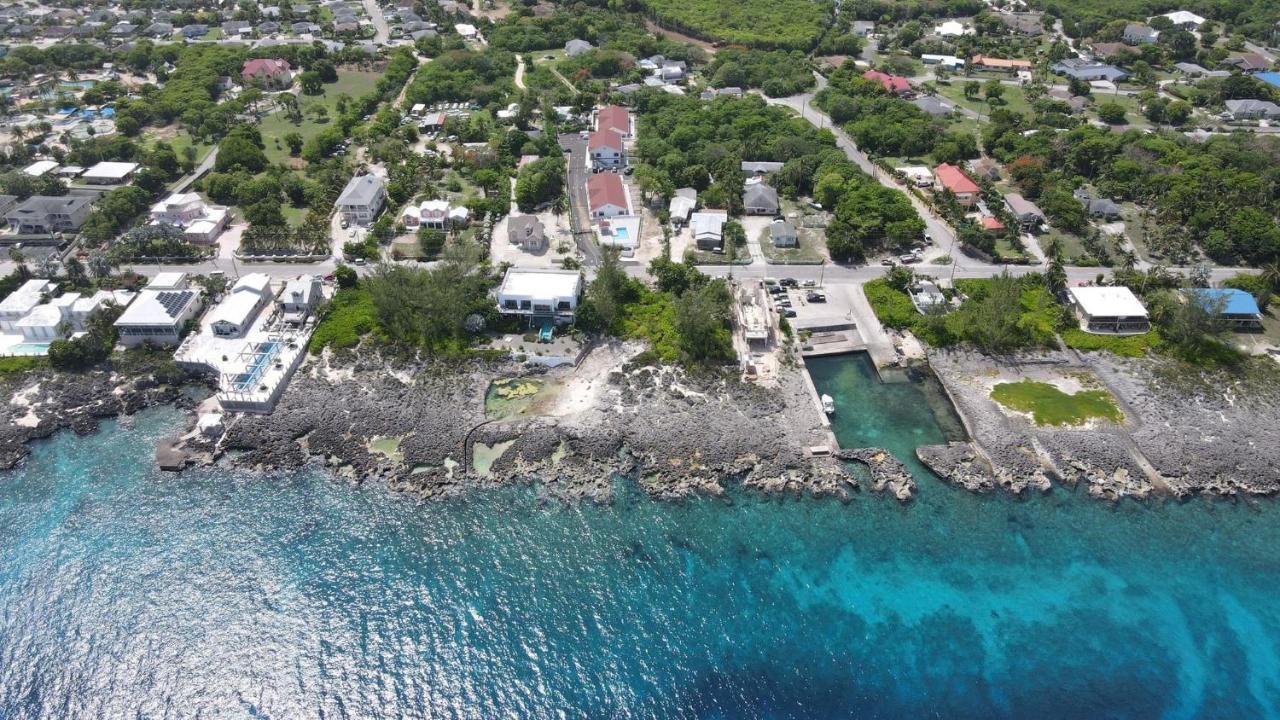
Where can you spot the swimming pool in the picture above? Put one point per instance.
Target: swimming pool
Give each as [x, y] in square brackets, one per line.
[28, 349]
[621, 233]
[264, 353]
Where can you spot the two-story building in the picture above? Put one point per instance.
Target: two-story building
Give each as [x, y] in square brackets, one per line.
[46, 215]
[361, 200]
[540, 294]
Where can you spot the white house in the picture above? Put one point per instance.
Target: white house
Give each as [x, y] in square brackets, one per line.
[157, 316]
[110, 173]
[200, 223]
[1109, 310]
[362, 199]
[707, 229]
[606, 149]
[300, 298]
[682, 203]
[235, 314]
[537, 293]
[23, 300]
[606, 196]
[40, 168]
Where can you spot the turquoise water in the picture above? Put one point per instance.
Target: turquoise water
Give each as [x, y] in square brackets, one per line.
[30, 348]
[125, 592]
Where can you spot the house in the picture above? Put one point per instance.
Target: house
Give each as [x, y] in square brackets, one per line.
[1137, 34]
[1109, 50]
[759, 199]
[1184, 19]
[200, 223]
[267, 73]
[362, 199]
[301, 296]
[952, 28]
[437, 214]
[682, 204]
[110, 173]
[1253, 109]
[467, 31]
[952, 179]
[235, 314]
[984, 168]
[707, 229]
[23, 300]
[526, 232]
[760, 168]
[1029, 216]
[862, 28]
[1081, 69]
[576, 47]
[540, 294]
[124, 29]
[1249, 62]
[983, 62]
[231, 28]
[1109, 310]
[615, 119]
[606, 196]
[432, 122]
[159, 30]
[1026, 23]
[783, 234]
[304, 28]
[950, 62]
[268, 27]
[194, 30]
[991, 223]
[934, 105]
[157, 316]
[606, 149]
[46, 215]
[893, 84]
[1097, 207]
[1238, 308]
[40, 168]
[926, 295]
[48, 320]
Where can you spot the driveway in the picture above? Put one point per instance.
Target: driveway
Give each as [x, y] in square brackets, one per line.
[579, 209]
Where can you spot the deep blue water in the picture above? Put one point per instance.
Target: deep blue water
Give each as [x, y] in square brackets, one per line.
[125, 592]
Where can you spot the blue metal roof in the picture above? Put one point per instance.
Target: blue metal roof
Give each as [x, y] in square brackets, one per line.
[1270, 78]
[1238, 302]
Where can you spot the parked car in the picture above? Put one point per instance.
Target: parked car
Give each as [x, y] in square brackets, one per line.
[788, 312]
[816, 297]
[809, 283]
[784, 303]
[776, 291]
[788, 282]
[890, 262]
[907, 259]
[770, 281]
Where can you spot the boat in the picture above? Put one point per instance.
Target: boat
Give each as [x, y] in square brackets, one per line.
[828, 405]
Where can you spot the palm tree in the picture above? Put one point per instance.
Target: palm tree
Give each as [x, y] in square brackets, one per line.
[100, 264]
[48, 266]
[75, 270]
[1271, 274]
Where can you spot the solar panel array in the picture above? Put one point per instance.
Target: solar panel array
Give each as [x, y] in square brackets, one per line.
[173, 302]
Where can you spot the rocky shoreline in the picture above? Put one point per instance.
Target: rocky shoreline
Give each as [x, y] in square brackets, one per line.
[1183, 434]
[429, 430]
[43, 402]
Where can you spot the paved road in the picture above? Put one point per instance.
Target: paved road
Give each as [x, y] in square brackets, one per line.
[941, 233]
[205, 165]
[382, 33]
[579, 213]
[844, 274]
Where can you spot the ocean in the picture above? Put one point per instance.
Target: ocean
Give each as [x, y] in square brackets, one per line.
[126, 592]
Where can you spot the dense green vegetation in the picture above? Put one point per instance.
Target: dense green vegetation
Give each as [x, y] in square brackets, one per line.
[344, 320]
[521, 31]
[884, 124]
[1050, 406]
[1082, 18]
[787, 24]
[1122, 345]
[465, 75]
[1217, 195]
[541, 181]
[776, 73]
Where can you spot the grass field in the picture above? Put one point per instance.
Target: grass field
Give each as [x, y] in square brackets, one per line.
[810, 251]
[275, 126]
[1014, 99]
[1050, 406]
[789, 24]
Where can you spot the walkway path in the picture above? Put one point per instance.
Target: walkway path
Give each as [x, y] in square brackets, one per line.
[519, 70]
[204, 167]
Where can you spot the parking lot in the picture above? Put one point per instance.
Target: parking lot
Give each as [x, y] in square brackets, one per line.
[806, 305]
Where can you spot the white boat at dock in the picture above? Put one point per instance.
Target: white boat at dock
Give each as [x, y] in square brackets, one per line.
[828, 405]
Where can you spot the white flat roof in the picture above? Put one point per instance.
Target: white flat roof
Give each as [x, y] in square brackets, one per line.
[1107, 301]
[525, 282]
[111, 170]
[168, 281]
[39, 167]
[237, 309]
[149, 308]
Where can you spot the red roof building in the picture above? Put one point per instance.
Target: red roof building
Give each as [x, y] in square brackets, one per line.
[271, 71]
[615, 118]
[606, 195]
[601, 139]
[991, 223]
[954, 179]
[895, 84]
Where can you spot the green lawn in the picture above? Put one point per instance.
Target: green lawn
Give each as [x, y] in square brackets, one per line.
[179, 143]
[275, 126]
[1013, 97]
[810, 250]
[1050, 406]
[293, 215]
